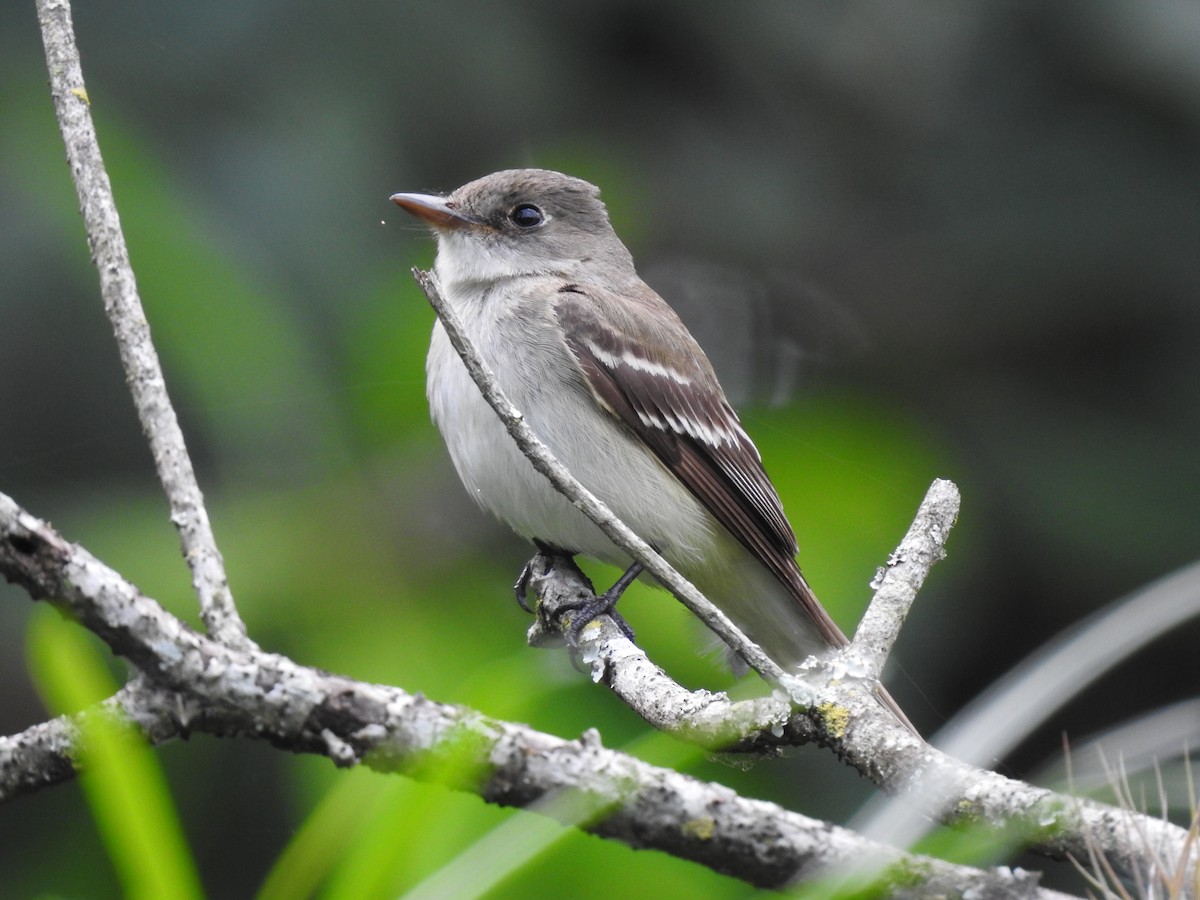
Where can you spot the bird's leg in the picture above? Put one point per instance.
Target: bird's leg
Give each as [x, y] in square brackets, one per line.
[603, 605]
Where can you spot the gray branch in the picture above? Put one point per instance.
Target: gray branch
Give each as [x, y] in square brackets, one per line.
[898, 582]
[847, 716]
[702, 717]
[118, 287]
[195, 684]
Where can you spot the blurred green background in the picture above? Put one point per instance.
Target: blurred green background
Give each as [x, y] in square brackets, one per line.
[918, 240]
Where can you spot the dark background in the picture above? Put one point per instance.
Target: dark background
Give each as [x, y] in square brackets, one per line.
[918, 239]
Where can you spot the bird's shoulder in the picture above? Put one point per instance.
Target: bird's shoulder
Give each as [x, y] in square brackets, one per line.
[643, 366]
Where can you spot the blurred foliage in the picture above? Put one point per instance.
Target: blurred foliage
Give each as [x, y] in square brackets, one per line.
[940, 241]
[121, 777]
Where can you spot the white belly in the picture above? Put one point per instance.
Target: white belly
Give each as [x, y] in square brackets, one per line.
[587, 439]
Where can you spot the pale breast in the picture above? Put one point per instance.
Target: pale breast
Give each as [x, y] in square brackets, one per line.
[588, 440]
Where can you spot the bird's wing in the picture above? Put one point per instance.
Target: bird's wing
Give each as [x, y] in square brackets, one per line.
[643, 367]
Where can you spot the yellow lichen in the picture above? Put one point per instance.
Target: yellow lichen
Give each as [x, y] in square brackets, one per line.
[701, 828]
[835, 717]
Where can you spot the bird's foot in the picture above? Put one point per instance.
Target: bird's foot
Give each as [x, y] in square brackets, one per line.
[588, 607]
[604, 604]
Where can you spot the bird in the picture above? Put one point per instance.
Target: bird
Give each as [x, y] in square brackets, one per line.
[609, 377]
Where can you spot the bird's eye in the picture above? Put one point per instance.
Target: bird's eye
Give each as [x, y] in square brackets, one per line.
[526, 216]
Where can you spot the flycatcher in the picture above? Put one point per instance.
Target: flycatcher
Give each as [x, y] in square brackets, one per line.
[609, 378]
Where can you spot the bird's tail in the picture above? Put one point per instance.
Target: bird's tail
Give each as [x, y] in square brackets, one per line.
[780, 613]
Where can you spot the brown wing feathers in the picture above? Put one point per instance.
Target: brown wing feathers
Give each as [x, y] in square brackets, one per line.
[669, 396]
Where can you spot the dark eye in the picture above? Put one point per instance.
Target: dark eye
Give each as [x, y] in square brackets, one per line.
[526, 216]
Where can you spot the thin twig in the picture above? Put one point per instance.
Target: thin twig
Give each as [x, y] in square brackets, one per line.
[865, 734]
[902, 577]
[124, 308]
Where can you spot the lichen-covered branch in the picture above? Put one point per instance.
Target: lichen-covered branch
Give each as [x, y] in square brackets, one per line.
[195, 684]
[702, 717]
[868, 738]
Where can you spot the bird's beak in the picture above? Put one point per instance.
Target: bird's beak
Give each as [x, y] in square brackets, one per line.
[433, 209]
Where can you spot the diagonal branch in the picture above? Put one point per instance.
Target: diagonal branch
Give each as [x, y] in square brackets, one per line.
[231, 691]
[118, 287]
[214, 688]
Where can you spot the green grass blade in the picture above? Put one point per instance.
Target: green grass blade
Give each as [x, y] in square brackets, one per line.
[124, 786]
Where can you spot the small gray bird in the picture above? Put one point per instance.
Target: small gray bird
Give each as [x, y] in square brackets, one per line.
[610, 379]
